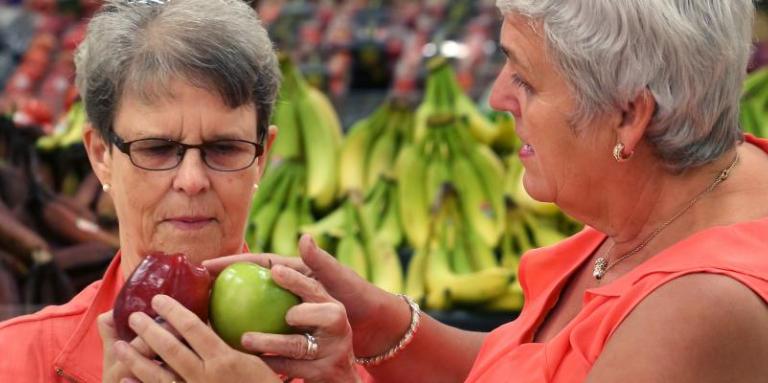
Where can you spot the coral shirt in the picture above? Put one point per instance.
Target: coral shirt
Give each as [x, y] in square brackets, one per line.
[739, 251]
[60, 343]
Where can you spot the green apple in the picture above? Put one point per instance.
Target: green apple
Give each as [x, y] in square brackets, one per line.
[245, 298]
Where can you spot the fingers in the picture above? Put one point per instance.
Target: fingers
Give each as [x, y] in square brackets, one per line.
[216, 265]
[292, 367]
[328, 318]
[290, 346]
[340, 281]
[199, 336]
[167, 346]
[143, 368]
[308, 289]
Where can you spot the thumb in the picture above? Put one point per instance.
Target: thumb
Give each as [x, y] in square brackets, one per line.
[341, 282]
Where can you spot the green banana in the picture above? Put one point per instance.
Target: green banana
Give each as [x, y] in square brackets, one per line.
[351, 253]
[415, 285]
[326, 111]
[287, 144]
[355, 149]
[389, 230]
[285, 233]
[413, 201]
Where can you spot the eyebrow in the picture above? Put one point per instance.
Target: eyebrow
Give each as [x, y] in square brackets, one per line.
[513, 58]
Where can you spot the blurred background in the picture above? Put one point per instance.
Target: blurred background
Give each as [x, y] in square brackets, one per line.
[367, 59]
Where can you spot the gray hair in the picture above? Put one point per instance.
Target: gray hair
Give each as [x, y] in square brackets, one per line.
[691, 55]
[138, 48]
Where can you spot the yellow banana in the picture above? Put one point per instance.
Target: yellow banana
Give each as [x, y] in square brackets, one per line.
[386, 269]
[353, 154]
[511, 300]
[320, 151]
[327, 111]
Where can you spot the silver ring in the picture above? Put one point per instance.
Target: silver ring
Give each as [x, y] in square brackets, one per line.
[311, 352]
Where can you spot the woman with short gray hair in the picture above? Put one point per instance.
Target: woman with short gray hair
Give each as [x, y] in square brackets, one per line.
[628, 114]
[178, 95]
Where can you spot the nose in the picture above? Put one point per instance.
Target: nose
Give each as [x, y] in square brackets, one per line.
[192, 175]
[502, 96]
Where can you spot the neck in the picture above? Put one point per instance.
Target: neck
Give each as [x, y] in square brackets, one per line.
[647, 199]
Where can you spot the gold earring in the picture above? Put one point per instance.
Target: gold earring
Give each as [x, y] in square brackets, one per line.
[106, 187]
[618, 153]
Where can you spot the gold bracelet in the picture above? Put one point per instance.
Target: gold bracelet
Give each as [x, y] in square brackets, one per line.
[407, 338]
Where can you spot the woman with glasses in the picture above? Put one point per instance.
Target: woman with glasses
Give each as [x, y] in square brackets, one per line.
[629, 116]
[178, 95]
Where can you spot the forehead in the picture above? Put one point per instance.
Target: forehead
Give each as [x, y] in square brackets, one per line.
[184, 110]
[522, 40]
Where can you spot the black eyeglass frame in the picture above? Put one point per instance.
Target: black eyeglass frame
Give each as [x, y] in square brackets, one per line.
[125, 147]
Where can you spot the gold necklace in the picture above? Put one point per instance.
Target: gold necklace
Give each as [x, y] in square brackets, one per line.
[601, 264]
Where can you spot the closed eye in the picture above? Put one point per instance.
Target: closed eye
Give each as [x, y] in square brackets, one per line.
[518, 81]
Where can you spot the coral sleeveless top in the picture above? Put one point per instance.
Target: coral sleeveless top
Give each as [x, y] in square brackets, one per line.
[739, 251]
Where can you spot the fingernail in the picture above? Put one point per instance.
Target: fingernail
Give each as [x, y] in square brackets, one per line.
[246, 340]
[129, 380]
[159, 301]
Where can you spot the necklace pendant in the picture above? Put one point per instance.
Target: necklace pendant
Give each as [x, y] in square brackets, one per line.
[601, 266]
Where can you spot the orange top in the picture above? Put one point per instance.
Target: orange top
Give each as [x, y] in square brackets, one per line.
[60, 343]
[508, 354]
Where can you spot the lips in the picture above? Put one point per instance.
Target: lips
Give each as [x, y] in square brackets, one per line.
[190, 222]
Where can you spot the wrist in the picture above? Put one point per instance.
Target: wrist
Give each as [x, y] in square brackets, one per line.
[402, 342]
[388, 323]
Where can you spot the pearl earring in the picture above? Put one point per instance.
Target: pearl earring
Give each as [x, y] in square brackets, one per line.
[255, 186]
[106, 187]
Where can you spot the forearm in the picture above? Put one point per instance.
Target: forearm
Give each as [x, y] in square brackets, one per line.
[438, 353]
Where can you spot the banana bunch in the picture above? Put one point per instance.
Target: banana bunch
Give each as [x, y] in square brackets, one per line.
[754, 104]
[456, 266]
[444, 95]
[372, 145]
[368, 233]
[68, 131]
[279, 209]
[448, 153]
[309, 131]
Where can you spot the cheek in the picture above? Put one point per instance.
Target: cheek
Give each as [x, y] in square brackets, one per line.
[235, 195]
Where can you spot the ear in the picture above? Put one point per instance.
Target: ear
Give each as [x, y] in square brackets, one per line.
[635, 120]
[98, 154]
[262, 160]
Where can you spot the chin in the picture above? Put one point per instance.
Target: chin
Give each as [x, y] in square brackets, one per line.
[537, 188]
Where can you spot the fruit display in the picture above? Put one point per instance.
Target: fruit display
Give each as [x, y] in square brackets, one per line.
[246, 299]
[173, 275]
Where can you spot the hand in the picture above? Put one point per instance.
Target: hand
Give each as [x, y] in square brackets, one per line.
[325, 317]
[207, 359]
[378, 319]
[113, 370]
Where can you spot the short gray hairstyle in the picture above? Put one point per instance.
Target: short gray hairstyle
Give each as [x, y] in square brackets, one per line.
[138, 48]
[691, 54]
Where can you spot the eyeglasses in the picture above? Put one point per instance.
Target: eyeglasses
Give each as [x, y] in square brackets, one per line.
[158, 154]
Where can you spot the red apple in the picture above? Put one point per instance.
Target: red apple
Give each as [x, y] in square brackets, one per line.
[173, 275]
